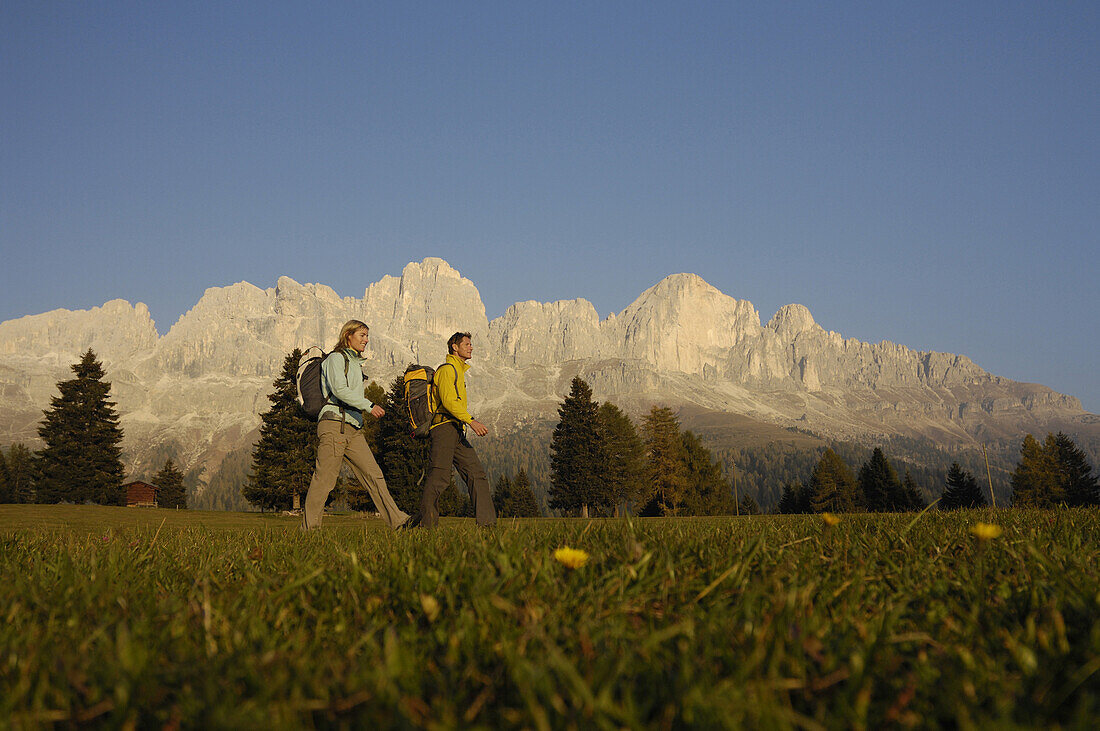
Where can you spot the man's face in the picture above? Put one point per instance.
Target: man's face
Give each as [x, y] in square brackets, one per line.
[464, 349]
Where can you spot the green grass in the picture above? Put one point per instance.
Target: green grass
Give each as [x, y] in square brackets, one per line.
[116, 616]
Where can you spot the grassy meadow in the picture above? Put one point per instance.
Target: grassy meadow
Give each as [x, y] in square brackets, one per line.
[149, 618]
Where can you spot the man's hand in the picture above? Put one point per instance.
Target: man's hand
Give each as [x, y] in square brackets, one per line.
[377, 412]
[479, 428]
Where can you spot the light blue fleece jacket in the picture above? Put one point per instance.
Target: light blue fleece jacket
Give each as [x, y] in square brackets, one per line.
[348, 389]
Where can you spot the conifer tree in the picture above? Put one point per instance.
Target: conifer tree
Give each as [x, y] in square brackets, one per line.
[7, 493]
[624, 475]
[577, 461]
[665, 460]
[22, 468]
[879, 483]
[833, 486]
[961, 490]
[514, 498]
[1036, 481]
[1079, 485]
[356, 493]
[502, 494]
[169, 483]
[708, 491]
[913, 498]
[748, 506]
[524, 504]
[285, 454]
[402, 457]
[454, 502]
[82, 459]
[793, 501]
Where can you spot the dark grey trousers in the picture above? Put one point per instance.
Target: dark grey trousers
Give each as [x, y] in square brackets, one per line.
[450, 447]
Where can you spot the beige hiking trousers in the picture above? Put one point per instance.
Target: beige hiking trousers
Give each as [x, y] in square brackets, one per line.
[333, 448]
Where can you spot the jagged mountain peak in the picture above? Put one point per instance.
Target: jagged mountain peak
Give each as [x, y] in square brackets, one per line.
[682, 341]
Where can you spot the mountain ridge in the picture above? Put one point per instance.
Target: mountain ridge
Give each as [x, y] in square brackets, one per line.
[683, 342]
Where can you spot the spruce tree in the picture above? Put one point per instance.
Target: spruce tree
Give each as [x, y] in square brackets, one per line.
[356, 493]
[454, 502]
[913, 498]
[708, 491]
[82, 459]
[879, 483]
[665, 462]
[502, 496]
[285, 454]
[577, 460]
[22, 471]
[402, 457]
[1079, 485]
[170, 490]
[1036, 481]
[524, 504]
[748, 506]
[961, 490]
[625, 457]
[790, 499]
[514, 498]
[833, 486]
[7, 493]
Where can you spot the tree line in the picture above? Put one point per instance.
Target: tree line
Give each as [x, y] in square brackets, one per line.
[600, 464]
[81, 461]
[1055, 473]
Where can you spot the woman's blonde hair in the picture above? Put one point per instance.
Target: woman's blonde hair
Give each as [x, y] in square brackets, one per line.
[346, 332]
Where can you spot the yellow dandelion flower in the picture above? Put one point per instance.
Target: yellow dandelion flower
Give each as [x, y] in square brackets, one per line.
[830, 519]
[574, 558]
[430, 605]
[986, 531]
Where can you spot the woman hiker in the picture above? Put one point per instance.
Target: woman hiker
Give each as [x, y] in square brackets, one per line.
[339, 430]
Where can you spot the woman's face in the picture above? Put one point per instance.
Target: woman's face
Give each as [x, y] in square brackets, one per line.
[358, 340]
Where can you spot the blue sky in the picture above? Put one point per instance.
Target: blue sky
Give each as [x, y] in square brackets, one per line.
[926, 173]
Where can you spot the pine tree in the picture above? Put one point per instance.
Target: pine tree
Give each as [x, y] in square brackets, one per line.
[961, 490]
[284, 456]
[1036, 481]
[1078, 483]
[665, 457]
[708, 491]
[625, 454]
[169, 483]
[82, 459]
[577, 461]
[879, 483]
[402, 457]
[833, 486]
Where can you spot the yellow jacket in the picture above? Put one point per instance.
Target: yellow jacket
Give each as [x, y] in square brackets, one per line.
[450, 388]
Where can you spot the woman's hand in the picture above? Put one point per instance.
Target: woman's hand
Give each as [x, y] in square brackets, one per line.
[377, 412]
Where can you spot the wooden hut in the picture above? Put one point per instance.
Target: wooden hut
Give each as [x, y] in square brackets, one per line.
[140, 494]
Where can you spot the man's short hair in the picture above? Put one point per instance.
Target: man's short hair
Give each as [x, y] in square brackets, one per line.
[455, 340]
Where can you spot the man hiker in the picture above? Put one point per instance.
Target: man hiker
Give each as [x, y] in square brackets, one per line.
[449, 443]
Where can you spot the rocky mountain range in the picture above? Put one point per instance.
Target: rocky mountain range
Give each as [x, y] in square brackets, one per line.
[200, 388]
